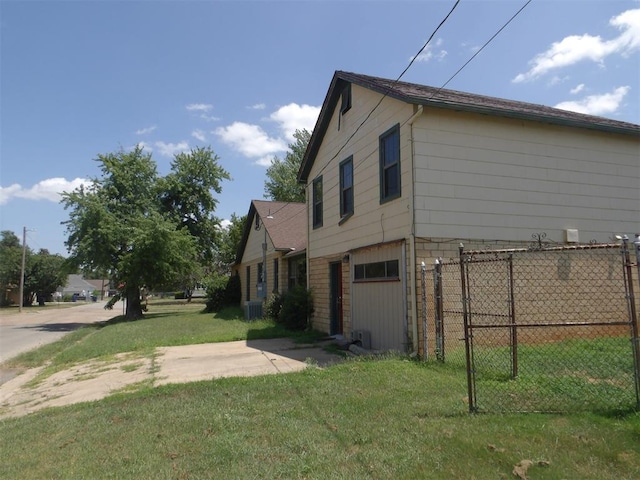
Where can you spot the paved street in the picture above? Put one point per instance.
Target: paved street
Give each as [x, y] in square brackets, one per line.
[37, 326]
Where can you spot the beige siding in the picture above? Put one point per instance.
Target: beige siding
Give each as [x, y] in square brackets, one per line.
[371, 223]
[492, 178]
[251, 258]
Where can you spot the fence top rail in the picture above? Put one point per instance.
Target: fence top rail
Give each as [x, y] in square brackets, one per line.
[545, 248]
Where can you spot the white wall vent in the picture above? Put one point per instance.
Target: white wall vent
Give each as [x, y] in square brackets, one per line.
[572, 235]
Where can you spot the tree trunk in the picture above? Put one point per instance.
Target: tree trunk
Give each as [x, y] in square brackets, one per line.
[134, 305]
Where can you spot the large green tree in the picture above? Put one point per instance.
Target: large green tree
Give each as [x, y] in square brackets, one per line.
[143, 229]
[282, 184]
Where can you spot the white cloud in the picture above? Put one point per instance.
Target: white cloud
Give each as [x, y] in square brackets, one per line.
[209, 118]
[225, 224]
[49, 189]
[200, 135]
[250, 140]
[254, 142]
[199, 107]
[6, 193]
[577, 89]
[170, 149]
[264, 161]
[145, 131]
[294, 117]
[257, 106]
[576, 48]
[431, 52]
[145, 146]
[597, 104]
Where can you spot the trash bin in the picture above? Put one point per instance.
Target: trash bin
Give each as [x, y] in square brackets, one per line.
[74, 297]
[94, 298]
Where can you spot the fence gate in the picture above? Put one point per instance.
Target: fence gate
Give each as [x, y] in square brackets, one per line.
[552, 329]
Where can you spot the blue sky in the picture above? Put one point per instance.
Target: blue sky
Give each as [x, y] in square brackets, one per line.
[81, 78]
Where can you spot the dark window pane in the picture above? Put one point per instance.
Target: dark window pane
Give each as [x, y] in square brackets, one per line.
[393, 269]
[374, 270]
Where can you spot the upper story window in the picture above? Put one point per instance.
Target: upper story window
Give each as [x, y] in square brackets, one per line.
[346, 99]
[390, 164]
[346, 187]
[317, 202]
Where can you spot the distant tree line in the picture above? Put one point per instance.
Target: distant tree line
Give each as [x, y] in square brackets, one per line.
[43, 272]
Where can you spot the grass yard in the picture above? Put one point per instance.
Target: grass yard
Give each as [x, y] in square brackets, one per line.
[366, 418]
[168, 323]
[595, 374]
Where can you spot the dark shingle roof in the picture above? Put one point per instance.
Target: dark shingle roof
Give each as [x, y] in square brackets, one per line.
[287, 229]
[451, 99]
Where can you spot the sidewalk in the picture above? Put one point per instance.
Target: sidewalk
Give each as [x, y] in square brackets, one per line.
[95, 380]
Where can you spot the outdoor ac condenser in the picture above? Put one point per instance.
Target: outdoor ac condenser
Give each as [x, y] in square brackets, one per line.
[253, 310]
[362, 338]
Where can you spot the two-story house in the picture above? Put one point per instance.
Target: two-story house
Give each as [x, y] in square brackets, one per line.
[398, 173]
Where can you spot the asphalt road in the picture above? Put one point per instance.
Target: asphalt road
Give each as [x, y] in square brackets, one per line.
[37, 326]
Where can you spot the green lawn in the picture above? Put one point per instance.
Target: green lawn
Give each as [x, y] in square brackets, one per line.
[385, 418]
[167, 323]
[368, 418]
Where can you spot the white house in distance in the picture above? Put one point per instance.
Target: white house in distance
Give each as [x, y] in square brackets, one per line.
[271, 257]
[399, 173]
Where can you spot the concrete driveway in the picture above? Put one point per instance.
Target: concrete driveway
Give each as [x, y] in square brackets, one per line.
[32, 391]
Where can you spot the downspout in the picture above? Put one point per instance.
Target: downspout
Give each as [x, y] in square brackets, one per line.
[412, 236]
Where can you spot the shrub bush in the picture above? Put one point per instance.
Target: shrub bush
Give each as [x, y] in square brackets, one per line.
[222, 291]
[297, 307]
[179, 296]
[273, 306]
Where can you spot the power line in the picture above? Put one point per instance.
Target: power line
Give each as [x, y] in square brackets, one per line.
[385, 94]
[483, 46]
[431, 96]
[402, 74]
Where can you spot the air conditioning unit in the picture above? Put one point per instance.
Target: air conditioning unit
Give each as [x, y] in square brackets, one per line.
[362, 338]
[253, 309]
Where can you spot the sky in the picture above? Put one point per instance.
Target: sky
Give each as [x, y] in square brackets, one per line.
[83, 78]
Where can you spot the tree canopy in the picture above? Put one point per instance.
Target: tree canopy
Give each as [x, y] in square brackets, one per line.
[230, 242]
[143, 229]
[282, 175]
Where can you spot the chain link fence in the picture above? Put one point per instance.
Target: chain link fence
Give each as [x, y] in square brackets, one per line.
[544, 329]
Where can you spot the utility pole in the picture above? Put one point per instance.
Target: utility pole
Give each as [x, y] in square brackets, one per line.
[24, 255]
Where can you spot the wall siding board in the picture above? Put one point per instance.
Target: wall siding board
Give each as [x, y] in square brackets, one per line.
[484, 177]
[371, 221]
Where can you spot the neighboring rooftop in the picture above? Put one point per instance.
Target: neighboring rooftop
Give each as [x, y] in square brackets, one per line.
[287, 227]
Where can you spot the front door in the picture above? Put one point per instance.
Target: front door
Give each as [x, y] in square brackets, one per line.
[335, 297]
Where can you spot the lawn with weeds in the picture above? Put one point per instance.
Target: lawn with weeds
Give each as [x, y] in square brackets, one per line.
[364, 418]
[165, 324]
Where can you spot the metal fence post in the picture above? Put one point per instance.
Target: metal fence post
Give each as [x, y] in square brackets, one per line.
[633, 316]
[512, 316]
[425, 350]
[438, 309]
[467, 330]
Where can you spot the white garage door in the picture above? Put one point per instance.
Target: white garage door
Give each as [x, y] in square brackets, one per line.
[377, 296]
